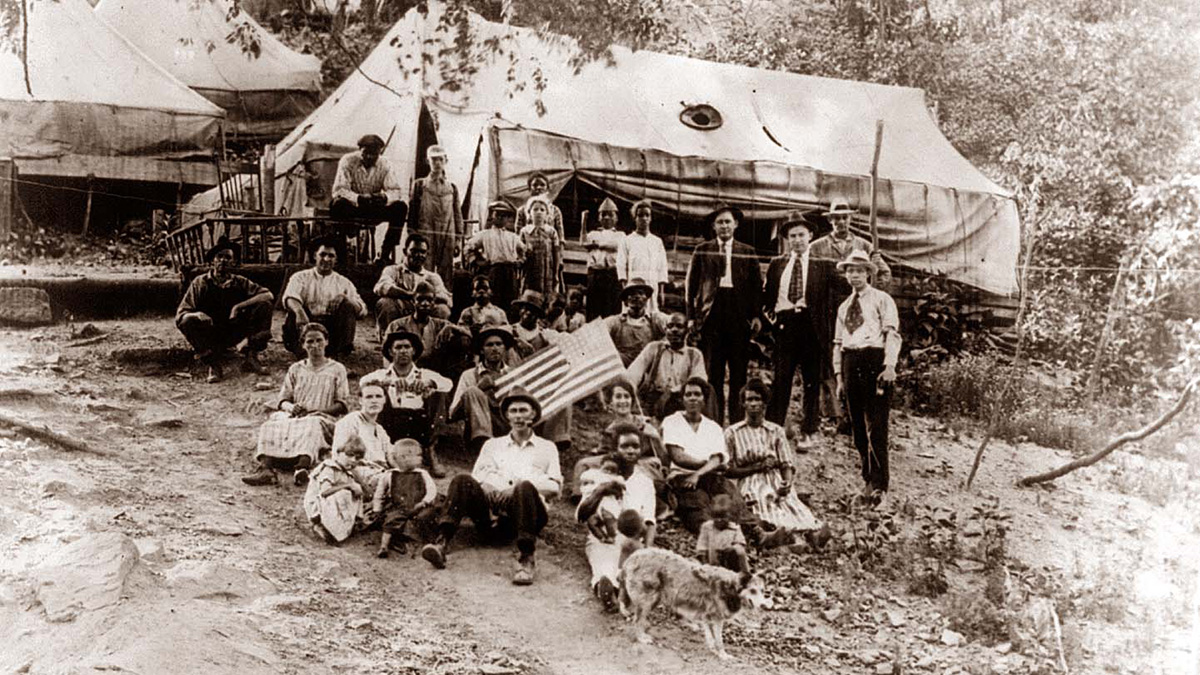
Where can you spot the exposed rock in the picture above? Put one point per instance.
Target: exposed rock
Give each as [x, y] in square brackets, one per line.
[831, 615]
[151, 550]
[25, 307]
[162, 421]
[85, 575]
[207, 580]
[951, 638]
[896, 618]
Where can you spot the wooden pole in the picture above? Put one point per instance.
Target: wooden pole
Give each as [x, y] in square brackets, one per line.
[87, 212]
[266, 179]
[875, 185]
[8, 189]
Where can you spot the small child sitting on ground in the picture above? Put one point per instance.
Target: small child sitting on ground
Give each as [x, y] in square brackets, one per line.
[333, 516]
[721, 541]
[406, 500]
[603, 523]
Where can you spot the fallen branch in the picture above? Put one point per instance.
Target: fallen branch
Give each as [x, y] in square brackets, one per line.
[45, 433]
[88, 341]
[1127, 437]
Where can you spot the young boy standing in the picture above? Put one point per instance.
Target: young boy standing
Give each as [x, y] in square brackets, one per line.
[866, 346]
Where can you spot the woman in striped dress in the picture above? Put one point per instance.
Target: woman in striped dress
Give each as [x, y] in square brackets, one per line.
[760, 460]
[314, 394]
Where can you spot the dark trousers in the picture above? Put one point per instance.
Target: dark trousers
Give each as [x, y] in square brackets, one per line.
[340, 322]
[395, 214]
[796, 344]
[694, 506]
[725, 341]
[505, 282]
[252, 325]
[869, 412]
[524, 509]
[603, 293]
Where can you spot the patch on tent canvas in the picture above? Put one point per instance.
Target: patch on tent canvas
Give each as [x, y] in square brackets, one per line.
[703, 117]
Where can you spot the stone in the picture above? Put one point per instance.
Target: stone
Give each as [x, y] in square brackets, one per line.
[896, 618]
[924, 662]
[885, 668]
[224, 530]
[208, 580]
[151, 550]
[85, 575]
[831, 615]
[358, 624]
[1004, 647]
[162, 421]
[25, 306]
[951, 638]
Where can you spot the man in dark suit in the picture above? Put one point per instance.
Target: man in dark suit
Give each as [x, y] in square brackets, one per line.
[724, 290]
[793, 288]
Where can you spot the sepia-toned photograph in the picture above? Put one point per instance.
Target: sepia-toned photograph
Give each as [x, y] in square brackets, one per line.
[600, 337]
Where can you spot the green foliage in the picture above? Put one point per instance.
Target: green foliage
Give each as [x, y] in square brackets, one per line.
[940, 318]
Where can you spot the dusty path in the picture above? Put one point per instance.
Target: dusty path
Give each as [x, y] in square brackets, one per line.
[230, 581]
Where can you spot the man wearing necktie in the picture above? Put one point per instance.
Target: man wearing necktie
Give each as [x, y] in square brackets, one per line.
[724, 287]
[790, 285]
[866, 346]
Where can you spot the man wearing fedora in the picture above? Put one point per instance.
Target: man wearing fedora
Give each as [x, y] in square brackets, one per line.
[635, 327]
[498, 252]
[792, 284]
[603, 285]
[825, 253]
[724, 287]
[866, 346]
[513, 477]
[415, 396]
[220, 309]
[320, 294]
[436, 212]
[366, 188]
[641, 254]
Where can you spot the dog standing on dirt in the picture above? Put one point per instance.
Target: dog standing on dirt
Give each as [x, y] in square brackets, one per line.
[701, 594]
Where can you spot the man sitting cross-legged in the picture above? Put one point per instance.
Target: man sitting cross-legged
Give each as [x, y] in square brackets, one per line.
[513, 477]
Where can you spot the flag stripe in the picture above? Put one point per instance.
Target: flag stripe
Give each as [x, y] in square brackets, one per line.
[583, 386]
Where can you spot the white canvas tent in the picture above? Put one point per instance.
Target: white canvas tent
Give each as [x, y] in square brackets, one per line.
[264, 93]
[785, 141]
[92, 103]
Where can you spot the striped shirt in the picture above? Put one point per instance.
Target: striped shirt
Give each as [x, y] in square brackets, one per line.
[315, 388]
[748, 444]
[354, 179]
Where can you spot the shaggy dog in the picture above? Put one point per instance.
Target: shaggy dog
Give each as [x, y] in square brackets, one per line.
[701, 594]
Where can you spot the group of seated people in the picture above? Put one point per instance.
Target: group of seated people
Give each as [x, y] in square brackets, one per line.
[374, 468]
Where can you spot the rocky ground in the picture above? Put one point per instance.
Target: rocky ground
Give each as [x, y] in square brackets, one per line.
[151, 556]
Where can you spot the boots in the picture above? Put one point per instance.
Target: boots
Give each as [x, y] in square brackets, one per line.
[435, 464]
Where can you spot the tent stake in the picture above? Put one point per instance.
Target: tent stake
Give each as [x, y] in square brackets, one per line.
[87, 212]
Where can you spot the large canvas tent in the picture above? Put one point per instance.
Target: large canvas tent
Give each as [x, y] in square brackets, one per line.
[629, 129]
[87, 102]
[263, 85]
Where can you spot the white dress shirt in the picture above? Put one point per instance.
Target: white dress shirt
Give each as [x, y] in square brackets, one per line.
[782, 302]
[727, 249]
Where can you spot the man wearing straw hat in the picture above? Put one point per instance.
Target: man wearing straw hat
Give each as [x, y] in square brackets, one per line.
[436, 212]
[824, 253]
[366, 188]
[866, 346]
[415, 396]
[513, 477]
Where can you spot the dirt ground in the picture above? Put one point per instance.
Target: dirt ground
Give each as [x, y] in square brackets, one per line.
[226, 578]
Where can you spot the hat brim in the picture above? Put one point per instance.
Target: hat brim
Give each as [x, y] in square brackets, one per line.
[413, 338]
[513, 398]
[212, 252]
[506, 336]
[711, 218]
[518, 304]
[842, 265]
[649, 291]
[789, 225]
[846, 211]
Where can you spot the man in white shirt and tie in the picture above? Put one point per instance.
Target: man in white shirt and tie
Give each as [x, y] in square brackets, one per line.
[789, 287]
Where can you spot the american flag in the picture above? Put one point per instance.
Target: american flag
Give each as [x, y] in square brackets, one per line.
[576, 366]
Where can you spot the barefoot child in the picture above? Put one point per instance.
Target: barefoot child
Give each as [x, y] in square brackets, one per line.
[405, 499]
[333, 499]
[721, 541]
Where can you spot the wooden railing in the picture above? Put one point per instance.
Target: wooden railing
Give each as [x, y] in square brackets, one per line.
[271, 240]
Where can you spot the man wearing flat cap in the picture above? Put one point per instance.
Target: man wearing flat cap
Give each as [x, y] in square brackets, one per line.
[366, 188]
[825, 253]
[220, 309]
[793, 283]
[724, 287]
[498, 253]
[514, 475]
[603, 285]
[437, 213]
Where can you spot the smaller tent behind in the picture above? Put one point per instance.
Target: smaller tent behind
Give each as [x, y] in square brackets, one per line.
[265, 87]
